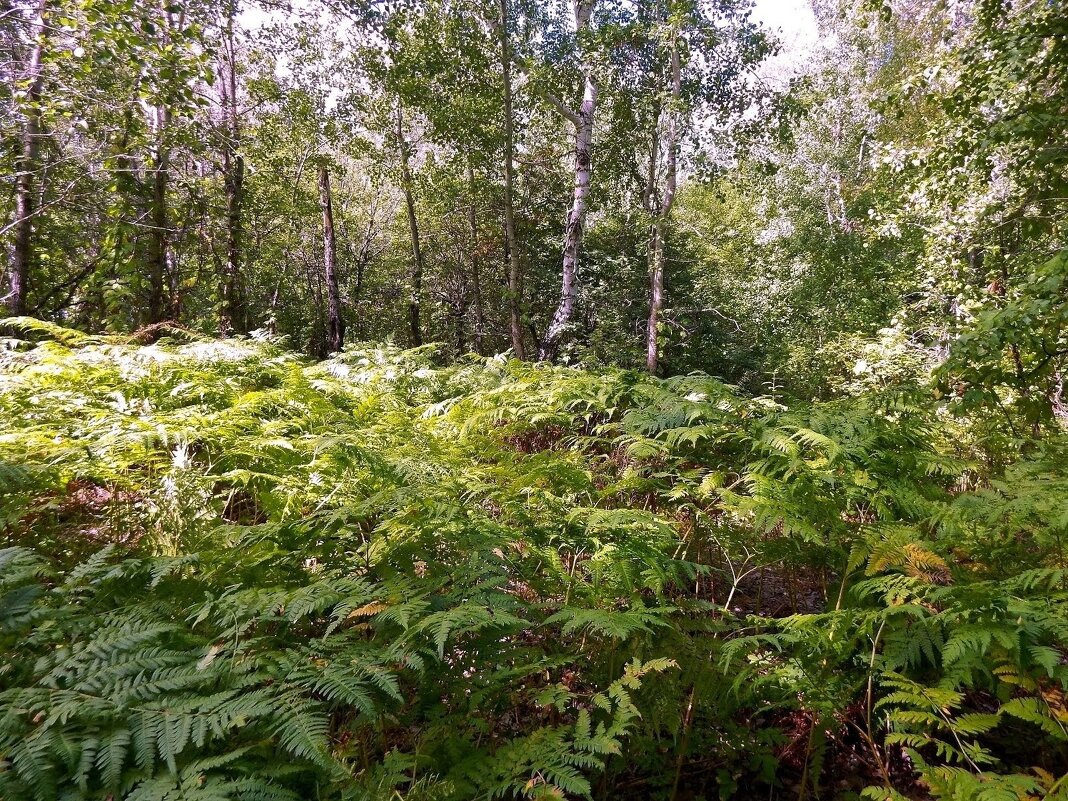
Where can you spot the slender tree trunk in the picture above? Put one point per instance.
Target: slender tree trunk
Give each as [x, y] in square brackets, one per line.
[233, 313]
[317, 345]
[158, 261]
[576, 218]
[363, 259]
[159, 241]
[662, 211]
[123, 253]
[459, 313]
[335, 325]
[415, 278]
[22, 254]
[656, 295]
[511, 250]
[231, 309]
[272, 317]
[650, 197]
[476, 266]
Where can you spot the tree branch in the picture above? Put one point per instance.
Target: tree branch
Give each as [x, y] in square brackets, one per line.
[560, 106]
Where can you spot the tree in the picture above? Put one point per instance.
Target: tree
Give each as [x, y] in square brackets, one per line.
[415, 274]
[335, 322]
[29, 103]
[658, 203]
[511, 245]
[166, 28]
[582, 119]
[232, 315]
[986, 183]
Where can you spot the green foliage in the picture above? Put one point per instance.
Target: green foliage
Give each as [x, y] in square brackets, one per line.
[235, 574]
[230, 573]
[301, 570]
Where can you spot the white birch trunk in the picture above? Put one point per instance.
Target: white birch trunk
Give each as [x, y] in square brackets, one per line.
[576, 218]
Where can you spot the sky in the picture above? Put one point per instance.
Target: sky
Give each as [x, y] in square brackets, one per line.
[795, 25]
[792, 20]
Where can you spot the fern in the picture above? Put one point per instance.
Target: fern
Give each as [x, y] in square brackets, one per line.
[237, 575]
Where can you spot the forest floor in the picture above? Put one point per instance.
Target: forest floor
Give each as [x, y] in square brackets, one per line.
[231, 569]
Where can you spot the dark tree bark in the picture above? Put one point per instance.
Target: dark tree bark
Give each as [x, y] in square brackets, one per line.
[232, 315]
[415, 276]
[335, 324]
[476, 266]
[511, 250]
[159, 262]
[159, 217]
[458, 315]
[22, 254]
[363, 260]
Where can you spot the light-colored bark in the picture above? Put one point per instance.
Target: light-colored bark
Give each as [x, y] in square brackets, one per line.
[22, 253]
[659, 205]
[576, 218]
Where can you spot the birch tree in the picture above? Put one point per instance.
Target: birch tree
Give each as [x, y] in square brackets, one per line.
[582, 119]
[658, 203]
[698, 57]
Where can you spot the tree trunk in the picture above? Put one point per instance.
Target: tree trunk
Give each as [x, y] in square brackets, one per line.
[576, 218]
[159, 241]
[511, 251]
[656, 297]
[476, 271]
[459, 313]
[363, 259]
[231, 309]
[661, 210]
[27, 166]
[233, 316]
[335, 325]
[317, 345]
[158, 261]
[415, 278]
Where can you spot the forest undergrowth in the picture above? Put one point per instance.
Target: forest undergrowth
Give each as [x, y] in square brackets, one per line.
[231, 573]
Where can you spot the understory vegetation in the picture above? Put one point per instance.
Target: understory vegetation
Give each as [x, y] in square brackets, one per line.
[563, 400]
[232, 573]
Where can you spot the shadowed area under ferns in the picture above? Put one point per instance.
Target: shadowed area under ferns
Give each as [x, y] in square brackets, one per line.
[233, 574]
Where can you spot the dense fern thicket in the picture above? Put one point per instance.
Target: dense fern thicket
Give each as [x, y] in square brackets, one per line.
[233, 574]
